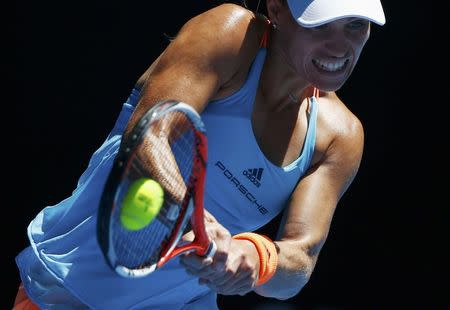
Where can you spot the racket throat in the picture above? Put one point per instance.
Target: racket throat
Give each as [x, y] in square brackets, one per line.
[190, 248]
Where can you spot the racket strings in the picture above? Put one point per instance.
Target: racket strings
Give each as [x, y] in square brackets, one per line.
[168, 159]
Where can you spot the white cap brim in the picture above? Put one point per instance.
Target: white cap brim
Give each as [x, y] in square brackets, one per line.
[312, 13]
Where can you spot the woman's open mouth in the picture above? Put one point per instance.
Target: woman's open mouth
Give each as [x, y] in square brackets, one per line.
[335, 66]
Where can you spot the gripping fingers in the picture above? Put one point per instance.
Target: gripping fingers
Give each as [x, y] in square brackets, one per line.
[196, 264]
[234, 286]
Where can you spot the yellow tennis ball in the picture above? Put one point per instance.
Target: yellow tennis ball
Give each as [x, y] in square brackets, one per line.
[141, 204]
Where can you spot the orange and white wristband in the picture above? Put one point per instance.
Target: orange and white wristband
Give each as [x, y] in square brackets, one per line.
[268, 256]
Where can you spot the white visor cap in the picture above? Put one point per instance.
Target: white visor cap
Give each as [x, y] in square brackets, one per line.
[312, 13]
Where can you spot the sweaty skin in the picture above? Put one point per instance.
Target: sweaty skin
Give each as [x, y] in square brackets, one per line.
[209, 59]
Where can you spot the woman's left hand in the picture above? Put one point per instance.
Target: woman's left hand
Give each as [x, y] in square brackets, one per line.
[235, 266]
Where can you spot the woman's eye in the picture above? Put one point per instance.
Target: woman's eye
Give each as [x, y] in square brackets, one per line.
[356, 24]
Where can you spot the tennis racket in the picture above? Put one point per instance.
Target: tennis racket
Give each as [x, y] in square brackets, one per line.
[169, 145]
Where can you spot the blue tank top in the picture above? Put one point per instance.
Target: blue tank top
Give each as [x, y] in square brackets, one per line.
[244, 191]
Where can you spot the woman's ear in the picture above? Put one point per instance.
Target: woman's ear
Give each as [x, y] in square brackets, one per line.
[273, 9]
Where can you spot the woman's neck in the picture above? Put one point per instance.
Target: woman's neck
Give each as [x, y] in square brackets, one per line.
[280, 85]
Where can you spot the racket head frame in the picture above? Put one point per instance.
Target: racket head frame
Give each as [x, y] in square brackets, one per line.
[193, 211]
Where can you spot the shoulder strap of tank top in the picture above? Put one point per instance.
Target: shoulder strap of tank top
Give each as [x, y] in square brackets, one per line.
[316, 92]
[265, 37]
[310, 93]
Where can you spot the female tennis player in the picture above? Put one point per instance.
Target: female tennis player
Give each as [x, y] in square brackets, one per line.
[279, 140]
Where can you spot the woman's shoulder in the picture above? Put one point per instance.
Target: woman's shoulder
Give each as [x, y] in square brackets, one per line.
[234, 24]
[223, 41]
[334, 111]
[227, 10]
[229, 36]
[336, 122]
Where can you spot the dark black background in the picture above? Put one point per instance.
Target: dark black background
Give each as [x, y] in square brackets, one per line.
[74, 64]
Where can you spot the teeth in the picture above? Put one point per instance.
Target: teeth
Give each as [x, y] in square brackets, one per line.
[330, 66]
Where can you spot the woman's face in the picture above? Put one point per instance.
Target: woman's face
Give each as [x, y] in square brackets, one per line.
[325, 55]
